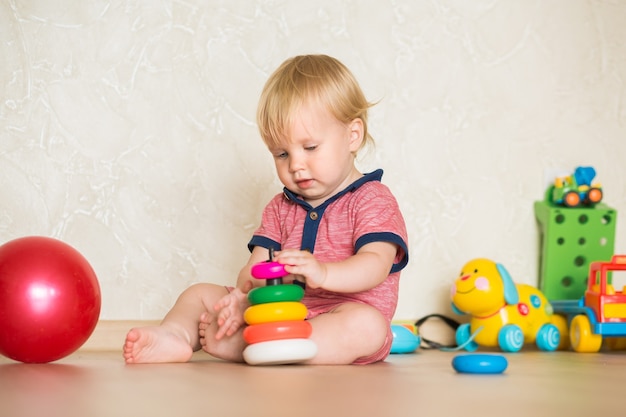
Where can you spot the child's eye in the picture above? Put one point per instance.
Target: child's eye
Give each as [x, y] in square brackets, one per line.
[310, 148]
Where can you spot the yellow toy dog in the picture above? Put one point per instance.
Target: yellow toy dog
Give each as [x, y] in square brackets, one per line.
[503, 314]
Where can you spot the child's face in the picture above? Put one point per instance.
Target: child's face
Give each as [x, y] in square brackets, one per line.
[316, 160]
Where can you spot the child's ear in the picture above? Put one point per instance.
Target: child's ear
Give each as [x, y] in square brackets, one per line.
[356, 134]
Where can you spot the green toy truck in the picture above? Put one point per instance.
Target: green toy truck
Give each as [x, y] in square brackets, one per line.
[577, 189]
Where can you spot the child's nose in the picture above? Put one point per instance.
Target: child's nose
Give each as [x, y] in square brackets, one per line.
[296, 163]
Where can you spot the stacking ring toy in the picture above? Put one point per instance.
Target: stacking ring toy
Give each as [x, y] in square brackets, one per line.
[276, 332]
[479, 364]
[275, 293]
[264, 332]
[268, 270]
[277, 352]
[282, 311]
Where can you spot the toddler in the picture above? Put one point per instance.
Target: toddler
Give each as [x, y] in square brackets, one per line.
[338, 232]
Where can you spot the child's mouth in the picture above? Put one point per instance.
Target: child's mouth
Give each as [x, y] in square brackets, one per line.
[304, 184]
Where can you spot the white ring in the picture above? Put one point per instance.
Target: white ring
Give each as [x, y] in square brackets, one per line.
[278, 352]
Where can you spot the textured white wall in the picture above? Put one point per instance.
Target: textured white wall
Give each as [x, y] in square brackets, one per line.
[127, 127]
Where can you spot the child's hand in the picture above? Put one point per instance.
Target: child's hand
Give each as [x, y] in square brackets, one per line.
[302, 263]
[230, 309]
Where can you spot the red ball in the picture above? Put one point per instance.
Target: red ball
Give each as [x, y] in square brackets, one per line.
[49, 299]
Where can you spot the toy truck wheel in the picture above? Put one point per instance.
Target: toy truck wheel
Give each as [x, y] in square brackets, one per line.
[548, 338]
[511, 338]
[571, 199]
[583, 340]
[463, 338]
[594, 195]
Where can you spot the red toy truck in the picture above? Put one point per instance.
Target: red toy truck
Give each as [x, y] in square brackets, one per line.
[601, 312]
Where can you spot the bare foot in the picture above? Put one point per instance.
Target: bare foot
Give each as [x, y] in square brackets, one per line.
[155, 344]
[229, 348]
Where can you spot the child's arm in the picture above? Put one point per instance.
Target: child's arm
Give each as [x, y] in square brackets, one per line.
[259, 254]
[366, 269]
[231, 307]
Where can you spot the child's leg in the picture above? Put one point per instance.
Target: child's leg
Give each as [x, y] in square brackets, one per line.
[347, 333]
[176, 338]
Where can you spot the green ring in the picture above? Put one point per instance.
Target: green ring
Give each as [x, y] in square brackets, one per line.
[275, 293]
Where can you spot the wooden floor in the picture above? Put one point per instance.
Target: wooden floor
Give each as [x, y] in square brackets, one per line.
[93, 384]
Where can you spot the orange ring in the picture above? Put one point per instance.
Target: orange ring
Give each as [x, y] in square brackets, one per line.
[297, 329]
[283, 311]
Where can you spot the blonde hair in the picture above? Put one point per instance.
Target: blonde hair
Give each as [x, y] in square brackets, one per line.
[320, 78]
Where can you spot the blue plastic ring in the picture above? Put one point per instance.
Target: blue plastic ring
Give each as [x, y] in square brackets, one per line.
[479, 364]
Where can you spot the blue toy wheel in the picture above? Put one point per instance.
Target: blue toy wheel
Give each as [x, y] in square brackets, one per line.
[511, 338]
[463, 335]
[548, 337]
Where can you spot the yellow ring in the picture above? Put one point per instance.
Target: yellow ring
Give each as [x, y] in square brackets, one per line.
[268, 312]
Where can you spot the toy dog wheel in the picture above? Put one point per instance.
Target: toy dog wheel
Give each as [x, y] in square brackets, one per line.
[548, 338]
[463, 338]
[511, 338]
[278, 352]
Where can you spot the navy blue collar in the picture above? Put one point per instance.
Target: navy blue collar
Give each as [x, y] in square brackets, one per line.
[372, 176]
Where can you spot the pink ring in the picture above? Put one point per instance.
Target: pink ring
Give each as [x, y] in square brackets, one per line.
[268, 270]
